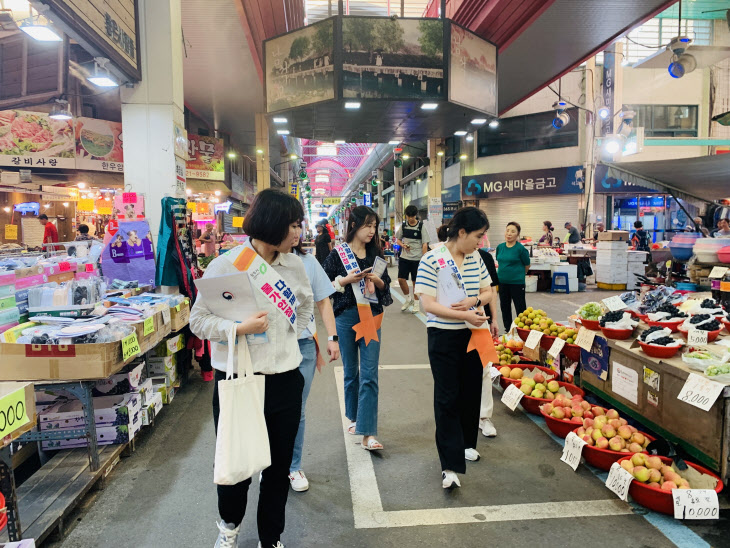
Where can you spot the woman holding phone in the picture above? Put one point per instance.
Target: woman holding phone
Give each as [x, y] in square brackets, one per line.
[454, 285]
[359, 300]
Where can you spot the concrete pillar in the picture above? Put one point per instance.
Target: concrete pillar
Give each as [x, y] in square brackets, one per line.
[263, 176]
[589, 144]
[397, 176]
[152, 107]
[381, 205]
[435, 169]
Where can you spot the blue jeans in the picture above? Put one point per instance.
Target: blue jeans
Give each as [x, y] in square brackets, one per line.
[306, 368]
[361, 379]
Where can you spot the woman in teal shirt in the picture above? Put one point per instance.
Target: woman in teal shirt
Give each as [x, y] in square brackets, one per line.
[513, 263]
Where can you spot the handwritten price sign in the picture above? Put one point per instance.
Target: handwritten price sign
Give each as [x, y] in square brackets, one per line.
[533, 339]
[572, 450]
[695, 504]
[614, 303]
[149, 325]
[619, 480]
[697, 336]
[494, 373]
[512, 396]
[585, 339]
[557, 347]
[166, 315]
[130, 347]
[700, 391]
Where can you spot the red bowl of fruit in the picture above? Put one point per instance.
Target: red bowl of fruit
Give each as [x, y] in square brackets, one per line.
[658, 351]
[571, 351]
[563, 416]
[604, 458]
[593, 325]
[506, 381]
[711, 335]
[637, 315]
[561, 427]
[653, 496]
[617, 334]
[532, 405]
[672, 324]
[726, 323]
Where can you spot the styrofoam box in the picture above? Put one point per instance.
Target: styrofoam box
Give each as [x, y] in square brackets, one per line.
[600, 245]
[570, 269]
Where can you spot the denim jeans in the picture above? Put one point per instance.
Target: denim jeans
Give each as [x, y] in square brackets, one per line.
[361, 374]
[307, 368]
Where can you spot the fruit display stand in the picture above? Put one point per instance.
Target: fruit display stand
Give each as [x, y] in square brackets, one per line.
[646, 389]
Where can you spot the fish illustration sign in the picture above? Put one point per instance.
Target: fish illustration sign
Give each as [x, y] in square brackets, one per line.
[516, 184]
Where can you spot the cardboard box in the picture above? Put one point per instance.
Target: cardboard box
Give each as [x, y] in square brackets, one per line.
[7, 290]
[153, 408]
[613, 236]
[169, 346]
[150, 341]
[105, 435]
[121, 383]
[31, 362]
[160, 366]
[180, 315]
[163, 386]
[7, 302]
[145, 390]
[61, 277]
[25, 543]
[108, 410]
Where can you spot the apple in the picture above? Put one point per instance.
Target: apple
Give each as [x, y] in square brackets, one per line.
[683, 484]
[638, 437]
[600, 421]
[539, 378]
[585, 405]
[608, 431]
[528, 381]
[668, 486]
[549, 395]
[654, 486]
[558, 413]
[616, 443]
[673, 477]
[626, 465]
[612, 414]
[505, 371]
[623, 422]
[536, 394]
[641, 474]
[589, 440]
[624, 432]
[588, 414]
[526, 389]
[654, 462]
[654, 475]
[597, 411]
[575, 420]
[553, 386]
[639, 459]
[635, 448]
[516, 373]
[580, 432]
[577, 411]
[547, 408]
[666, 469]
[602, 443]
[596, 434]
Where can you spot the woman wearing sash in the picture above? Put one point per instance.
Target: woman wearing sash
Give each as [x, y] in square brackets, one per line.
[453, 283]
[273, 224]
[359, 299]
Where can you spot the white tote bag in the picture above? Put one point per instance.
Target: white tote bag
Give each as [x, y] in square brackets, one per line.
[242, 443]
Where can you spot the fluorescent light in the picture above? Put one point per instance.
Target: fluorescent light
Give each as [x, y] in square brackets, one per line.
[463, 157]
[470, 138]
[339, 141]
[279, 120]
[478, 121]
[327, 150]
[231, 154]
[494, 124]
[440, 153]
[259, 151]
[41, 32]
[352, 105]
[429, 106]
[460, 133]
[102, 81]
[282, 132]
[393, 142]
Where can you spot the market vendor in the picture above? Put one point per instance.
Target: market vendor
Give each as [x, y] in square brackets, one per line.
[723, 229]
[573, 236]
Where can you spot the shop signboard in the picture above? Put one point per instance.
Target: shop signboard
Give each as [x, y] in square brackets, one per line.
[518, 184]
[181, 179]
[299, 67]
[205, 158]
[389, 58]
[33, 139]
[331, 201]
[473, 71]
[294, 189]
[449, 209]
[368, 199]
[611, 185]
[99, 145]
[609, 61]
[109, 27]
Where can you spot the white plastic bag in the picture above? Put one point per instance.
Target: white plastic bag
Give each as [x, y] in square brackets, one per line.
[242, 442]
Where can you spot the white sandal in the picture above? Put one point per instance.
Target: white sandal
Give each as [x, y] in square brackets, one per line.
[351, 429]
[373, 445]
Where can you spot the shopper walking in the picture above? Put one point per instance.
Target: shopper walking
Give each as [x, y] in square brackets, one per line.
[273, 224]
[453, 283]
[548, 229]
[322, 243]
[514, 262]
[322, 289]
[414, 244]
[358, 302]
[641, 238]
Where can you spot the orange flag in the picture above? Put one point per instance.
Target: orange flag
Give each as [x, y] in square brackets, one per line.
[368, 327]
[481, 341]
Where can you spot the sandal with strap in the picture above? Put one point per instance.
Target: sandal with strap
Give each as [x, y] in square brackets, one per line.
[351, 429]
[373, 445]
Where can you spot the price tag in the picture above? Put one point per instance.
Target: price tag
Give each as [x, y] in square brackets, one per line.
[572, 450]
[718, 271]
[149, 325]
[494, 372]
[12, 411]
[533, 339]
[614, 303]
[585, 339]
[129, 197]
[512, 396]
[64, 266]
[557, 346]
[130, 347]
[89, 267]
[177, 307]
[695, 504]
[166, 315]
[700, 391]
[697, 336]
[619, 480]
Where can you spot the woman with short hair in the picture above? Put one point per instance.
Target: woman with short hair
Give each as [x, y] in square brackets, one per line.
[513, 262]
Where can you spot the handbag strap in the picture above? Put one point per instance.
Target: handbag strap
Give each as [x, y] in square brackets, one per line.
[245, 365]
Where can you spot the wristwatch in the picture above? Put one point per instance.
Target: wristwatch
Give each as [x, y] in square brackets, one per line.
[334, 338]
[478, 303]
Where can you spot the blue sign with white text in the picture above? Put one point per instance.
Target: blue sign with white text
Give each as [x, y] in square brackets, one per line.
[518, 184]
[368, 199]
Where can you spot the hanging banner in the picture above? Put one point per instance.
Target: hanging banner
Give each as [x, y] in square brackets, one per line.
[33, 139]
[99, 145]
[205, 158]
[130, 254]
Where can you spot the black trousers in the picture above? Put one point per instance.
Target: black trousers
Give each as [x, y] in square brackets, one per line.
[509, 293]
[457, 394]
[282, 411]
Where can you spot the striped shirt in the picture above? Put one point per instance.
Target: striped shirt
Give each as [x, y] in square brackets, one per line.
[475, 276]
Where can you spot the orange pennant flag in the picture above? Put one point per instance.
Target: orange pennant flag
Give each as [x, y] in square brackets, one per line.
[368, 327]
[481, 341]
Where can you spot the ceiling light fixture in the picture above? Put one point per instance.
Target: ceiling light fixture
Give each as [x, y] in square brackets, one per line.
[460, 133]
[231, 154]
[100, 76]
[280, 120]
[217, 193]
[259, 151]
[352, 105]
[604, 113]
[293, 156]
[340, 141]
[494, 124]
[429, 106]
[463, 157]
[478, 121]
[60, 110]
[440, 153]
[470, 138]
[81, 185]
[188, 191]
[40, 30]
[393, 142]
[406, 156]
[282, 132]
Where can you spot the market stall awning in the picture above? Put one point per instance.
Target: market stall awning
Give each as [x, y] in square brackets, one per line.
[201, 186]
[705, 178]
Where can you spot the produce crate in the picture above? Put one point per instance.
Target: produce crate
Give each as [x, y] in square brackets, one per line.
[611, 287]
[180, 315]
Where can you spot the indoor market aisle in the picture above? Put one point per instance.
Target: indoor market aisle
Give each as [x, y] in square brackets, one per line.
[518, 494]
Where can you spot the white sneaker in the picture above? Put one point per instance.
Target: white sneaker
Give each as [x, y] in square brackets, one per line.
[416, 307]
[407, 304]
[488, 428]
[228, 535]
[449, 479]
[298, 481]
[277, 545]
[472, 455]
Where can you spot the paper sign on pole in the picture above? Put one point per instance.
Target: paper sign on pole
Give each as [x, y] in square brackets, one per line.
[237, 222]
[11, 232]
[557, 346]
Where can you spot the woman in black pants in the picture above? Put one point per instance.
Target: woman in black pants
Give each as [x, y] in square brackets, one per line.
[273, 224]
[513, 261]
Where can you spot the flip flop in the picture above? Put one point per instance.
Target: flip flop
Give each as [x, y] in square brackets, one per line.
[351, 428]
[373, 445]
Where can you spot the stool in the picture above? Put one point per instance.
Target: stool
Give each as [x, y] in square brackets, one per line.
[566, 285]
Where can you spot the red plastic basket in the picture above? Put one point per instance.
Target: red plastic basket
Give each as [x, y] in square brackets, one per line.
[505, 382]
[662, 501]
[559, 427]
[617, 334]
[532, 405]
[593, 325]
[726, 323]
[604, 458]
[657, 351]
[711, 335]
[3, 514]
[673, 325]
[572, 352]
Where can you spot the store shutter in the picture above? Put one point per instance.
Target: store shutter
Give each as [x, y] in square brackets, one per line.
[530, 214]
[228, 224]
